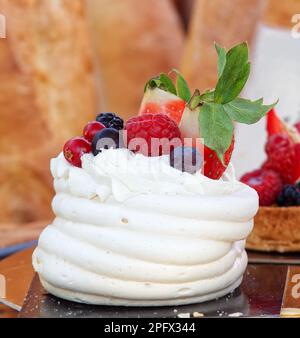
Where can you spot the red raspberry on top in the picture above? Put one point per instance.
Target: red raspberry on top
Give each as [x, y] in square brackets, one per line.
[149, 127]
[267, 183]
[283, 157]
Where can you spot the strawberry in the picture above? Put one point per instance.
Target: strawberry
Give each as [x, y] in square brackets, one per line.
[158, 101]
[274, 124]
[297, 126]
[213, 167]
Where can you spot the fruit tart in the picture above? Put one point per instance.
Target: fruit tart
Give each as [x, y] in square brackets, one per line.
[149, 212]
[277, 224]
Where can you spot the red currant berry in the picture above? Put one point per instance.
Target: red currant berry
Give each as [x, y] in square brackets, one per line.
[74, 149]
[92, 129]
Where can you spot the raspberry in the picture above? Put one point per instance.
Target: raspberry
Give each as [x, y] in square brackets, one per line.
[149, 127]
[267, 183]
[283, 157]
[297, 126]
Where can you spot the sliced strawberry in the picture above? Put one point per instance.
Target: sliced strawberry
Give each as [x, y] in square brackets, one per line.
[189, 124]
[274, 124]
[158, 101]
[213, 167]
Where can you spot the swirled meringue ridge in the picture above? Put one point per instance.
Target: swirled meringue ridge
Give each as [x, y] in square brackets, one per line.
[131, 230]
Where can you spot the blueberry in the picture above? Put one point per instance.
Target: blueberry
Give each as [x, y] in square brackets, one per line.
[298, 199]
[288, 196]
[186, 159]
[106, 139]
[111, 120]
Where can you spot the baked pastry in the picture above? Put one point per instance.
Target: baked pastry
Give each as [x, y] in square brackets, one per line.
[276, 229]
[277, 224]
[143, 219]
[133, 40]
[46, 92]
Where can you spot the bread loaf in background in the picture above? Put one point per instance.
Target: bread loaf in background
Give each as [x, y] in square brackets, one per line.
[134, 40]
[280, 13]
[225, 22]
[47, 94]
[185, 9]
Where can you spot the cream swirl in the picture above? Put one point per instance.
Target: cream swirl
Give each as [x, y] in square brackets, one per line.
[132, 230]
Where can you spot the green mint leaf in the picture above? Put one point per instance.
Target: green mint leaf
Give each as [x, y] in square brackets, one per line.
[168, 83]
[163, 81]
[221, 59]
[246, 111]
[216, 128]
[182, 86]
[235, 74]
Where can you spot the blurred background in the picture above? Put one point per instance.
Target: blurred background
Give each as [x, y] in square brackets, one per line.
[64, 61]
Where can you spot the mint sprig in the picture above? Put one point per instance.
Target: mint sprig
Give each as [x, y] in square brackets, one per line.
[222, 107]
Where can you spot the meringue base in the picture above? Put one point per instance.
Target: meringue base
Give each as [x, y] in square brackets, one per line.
[90, 299]
[69, 282]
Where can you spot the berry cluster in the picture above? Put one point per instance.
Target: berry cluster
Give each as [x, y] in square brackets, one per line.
[104, 133]
[267, 183]
[95, 136]
[275, 181]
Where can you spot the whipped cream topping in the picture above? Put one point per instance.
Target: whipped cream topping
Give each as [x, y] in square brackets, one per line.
[132, 230]
[121, 174]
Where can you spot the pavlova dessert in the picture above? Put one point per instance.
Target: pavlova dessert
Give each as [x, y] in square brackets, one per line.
[149, 213]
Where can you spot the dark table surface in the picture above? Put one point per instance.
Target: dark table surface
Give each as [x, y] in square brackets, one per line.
[260, 295]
